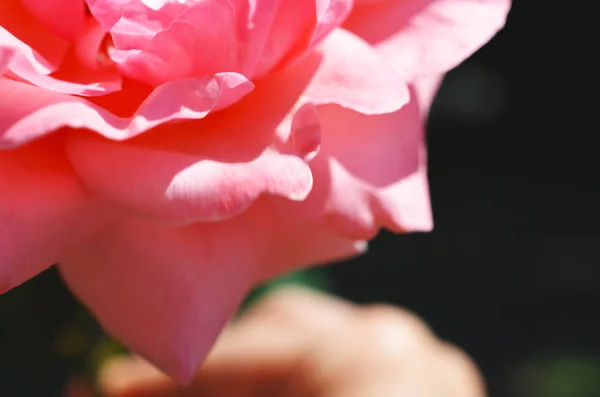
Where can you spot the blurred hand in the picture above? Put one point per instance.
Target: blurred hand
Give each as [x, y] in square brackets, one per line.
[298, 343]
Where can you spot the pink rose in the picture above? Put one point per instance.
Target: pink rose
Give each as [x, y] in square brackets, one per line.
[171, 154]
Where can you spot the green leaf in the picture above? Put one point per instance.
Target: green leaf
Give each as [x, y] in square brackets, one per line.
[316, 278]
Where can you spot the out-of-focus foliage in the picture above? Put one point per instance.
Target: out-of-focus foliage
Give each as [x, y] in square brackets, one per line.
[316, 278]
[558, 375]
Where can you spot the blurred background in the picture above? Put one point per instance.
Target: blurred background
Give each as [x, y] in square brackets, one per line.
[511, 270]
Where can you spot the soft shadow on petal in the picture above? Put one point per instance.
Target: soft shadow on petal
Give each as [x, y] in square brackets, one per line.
[346, 71]
[170, 40]
[428, 37]
[18, 59]
[64, 17]
[29, 112]
[182, 188]
[87, 65]
[210, 169]
[297, 28]
[299, 237]
[197, 40]
[215, 168]
[330, 14]
[378, 172]
[167, 292]
[353, 75]
[271, 32]
[370, 173]
[18, 23]
[31, 53]
[44, 211]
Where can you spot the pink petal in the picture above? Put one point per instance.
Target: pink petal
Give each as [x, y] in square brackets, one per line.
[428, 37]
[215, 168]
[330, 14]
[43, 210]
[199, 41]
[426, 89]
[166, 293]
[273, 31]
[32, 54]
[370, 173]
[211, 182]
[64, 17]
[297, 236]
[305, 131]
[92, 46]
[209, 169]
[88, 65]
[342, 70]
[324, 17]
[18, 59]
[29, 112]
[351, 74]
[160, 41]
[18, 26]
[184, 283]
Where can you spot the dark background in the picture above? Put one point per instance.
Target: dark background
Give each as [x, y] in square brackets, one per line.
[510, 273]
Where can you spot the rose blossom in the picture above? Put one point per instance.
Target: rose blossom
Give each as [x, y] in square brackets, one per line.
[171, 154]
